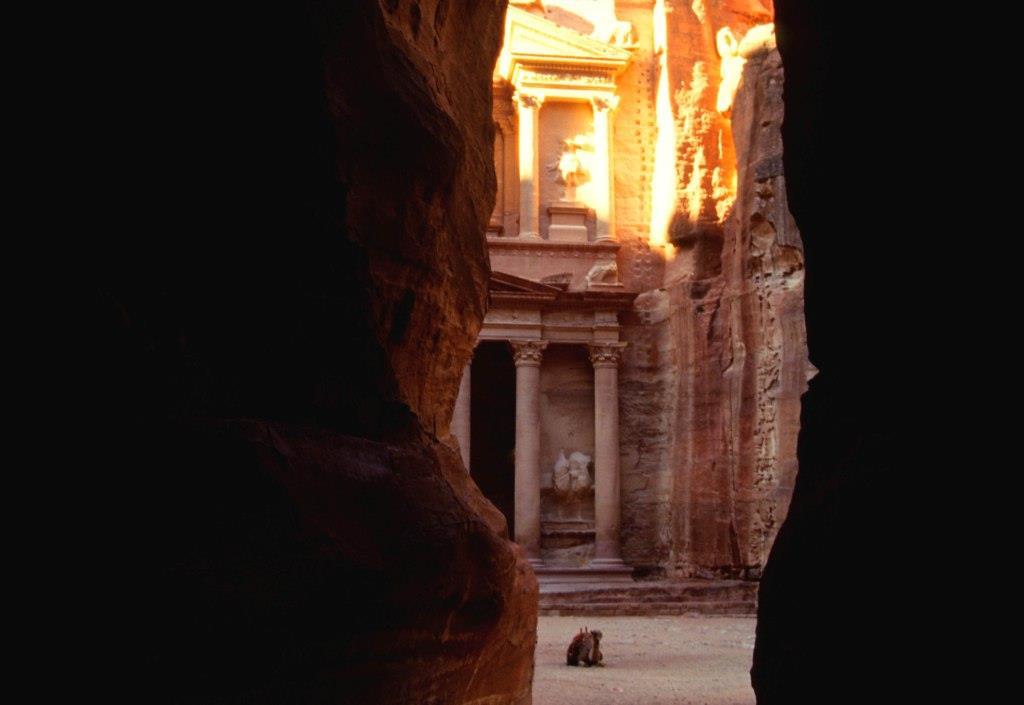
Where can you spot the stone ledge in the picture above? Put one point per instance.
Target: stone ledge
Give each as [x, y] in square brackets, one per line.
[526, 243]
[553, 576]
[733, 597]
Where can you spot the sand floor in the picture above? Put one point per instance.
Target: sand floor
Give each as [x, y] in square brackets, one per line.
[648, 661]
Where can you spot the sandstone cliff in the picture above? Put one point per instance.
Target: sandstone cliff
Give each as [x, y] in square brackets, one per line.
[837, 606]
[717, 358]
[743, 355]
[284, 368]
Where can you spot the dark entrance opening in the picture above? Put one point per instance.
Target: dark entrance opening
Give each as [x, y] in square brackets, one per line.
[493, 426]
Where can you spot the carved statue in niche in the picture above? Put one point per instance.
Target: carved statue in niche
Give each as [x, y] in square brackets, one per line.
[571, 166]
[572, 477]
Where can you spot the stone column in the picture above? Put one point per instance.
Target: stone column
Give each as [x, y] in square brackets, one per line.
[528, 355]
[460, 417]
[601, 174]
[529, 163]
[605, 358]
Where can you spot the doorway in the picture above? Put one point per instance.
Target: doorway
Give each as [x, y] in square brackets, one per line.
[493, 426]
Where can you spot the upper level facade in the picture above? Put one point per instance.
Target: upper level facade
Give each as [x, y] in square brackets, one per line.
[555, 91]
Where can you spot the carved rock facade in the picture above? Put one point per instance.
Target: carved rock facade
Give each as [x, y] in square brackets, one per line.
[684, 257]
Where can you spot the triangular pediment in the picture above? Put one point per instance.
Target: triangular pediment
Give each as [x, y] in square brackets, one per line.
[531, 37]
[509, 283]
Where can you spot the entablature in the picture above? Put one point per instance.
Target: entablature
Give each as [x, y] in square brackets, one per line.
[557, 61]
[521, 309]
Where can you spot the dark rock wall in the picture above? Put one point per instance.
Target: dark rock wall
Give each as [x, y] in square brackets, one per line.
[840, 618]
[281, 339]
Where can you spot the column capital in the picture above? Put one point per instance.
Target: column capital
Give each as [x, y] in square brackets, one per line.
[528, 352]
[528, 100]
[604, 101]
[605, 354]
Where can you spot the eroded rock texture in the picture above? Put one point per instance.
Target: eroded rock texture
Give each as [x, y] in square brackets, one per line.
[284, 365]
[743, 355]
[718, 357]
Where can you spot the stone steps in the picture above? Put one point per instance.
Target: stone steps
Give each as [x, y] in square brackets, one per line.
[556, 577]
[668, 598]
[649, 609]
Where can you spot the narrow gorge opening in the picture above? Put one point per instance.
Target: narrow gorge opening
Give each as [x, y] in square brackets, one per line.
[579, 216]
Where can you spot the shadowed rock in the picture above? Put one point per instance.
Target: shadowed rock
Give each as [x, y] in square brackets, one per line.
[284, 367]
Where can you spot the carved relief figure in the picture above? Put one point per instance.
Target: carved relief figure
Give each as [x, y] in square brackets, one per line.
[571, 475]
[571, 166]
[603, 273]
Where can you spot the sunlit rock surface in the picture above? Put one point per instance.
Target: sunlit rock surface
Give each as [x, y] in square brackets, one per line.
[717, 358]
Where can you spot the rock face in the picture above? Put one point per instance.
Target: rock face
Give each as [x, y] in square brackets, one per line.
[837, 607]
[743, 365]
[717, 359]
[284, 372]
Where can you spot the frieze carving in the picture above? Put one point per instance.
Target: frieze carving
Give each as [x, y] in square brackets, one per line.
[605, 354]
[548, 252]
[574, 77]
[528, 352]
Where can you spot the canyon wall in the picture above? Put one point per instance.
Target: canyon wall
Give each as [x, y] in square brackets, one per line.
[836, 589]
[283, 370]
[717, 360]
[742, 352]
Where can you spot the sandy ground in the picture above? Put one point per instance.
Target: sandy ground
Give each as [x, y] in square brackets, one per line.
[648, 661]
